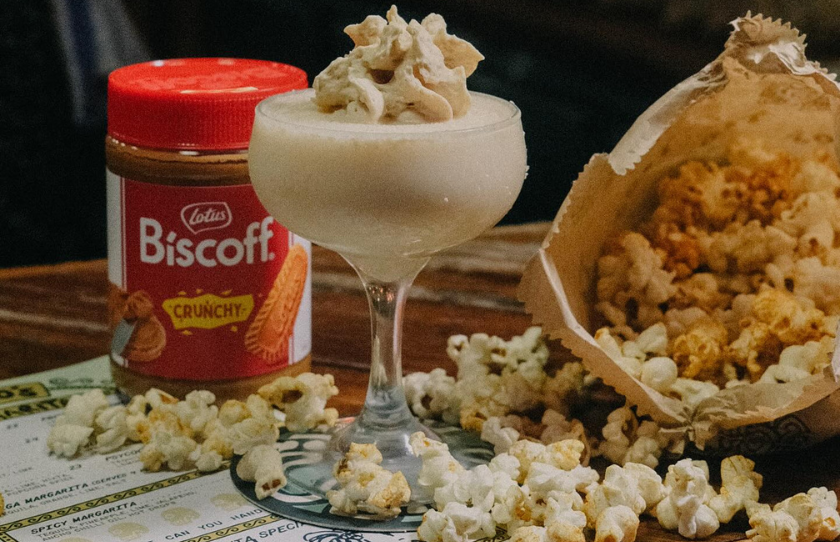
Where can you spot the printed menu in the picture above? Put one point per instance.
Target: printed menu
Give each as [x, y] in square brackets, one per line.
[110, 497]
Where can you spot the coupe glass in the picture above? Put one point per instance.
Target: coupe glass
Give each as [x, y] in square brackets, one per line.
[385, 197]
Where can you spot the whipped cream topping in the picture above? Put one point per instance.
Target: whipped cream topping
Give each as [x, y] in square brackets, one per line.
[399, 71]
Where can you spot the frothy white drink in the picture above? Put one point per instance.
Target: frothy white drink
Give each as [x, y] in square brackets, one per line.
[386, 190]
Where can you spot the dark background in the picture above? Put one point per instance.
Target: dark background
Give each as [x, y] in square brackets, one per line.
[580, 71]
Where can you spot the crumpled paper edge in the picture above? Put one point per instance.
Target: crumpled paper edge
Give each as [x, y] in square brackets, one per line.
[763, 44]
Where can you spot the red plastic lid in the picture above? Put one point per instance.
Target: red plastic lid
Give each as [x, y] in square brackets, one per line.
[193, 103]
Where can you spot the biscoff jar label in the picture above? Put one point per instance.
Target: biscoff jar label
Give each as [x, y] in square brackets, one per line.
[204, 284]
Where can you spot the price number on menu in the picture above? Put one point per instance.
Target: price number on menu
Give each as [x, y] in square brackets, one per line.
[22, 392]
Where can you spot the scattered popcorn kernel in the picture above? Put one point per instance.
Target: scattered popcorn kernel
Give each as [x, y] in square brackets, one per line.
[262, 465]
[438, 527]
[529, 533]
[197, 410]
[502, 438]
[807, 514]
[772, 526]
[826, 501]
[565, 454]
[432, 395]
[83, 409]
[740, 485]
[619, 488]
[616, 524]
[66, 440]
[112, 427]
[526, 452]
[685, 508]
[168, 449]
[303, 399]
[439, 467]
[626, 440]
[252, 432]
[367, 487]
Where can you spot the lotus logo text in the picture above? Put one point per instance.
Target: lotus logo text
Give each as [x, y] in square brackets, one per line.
[209, 215]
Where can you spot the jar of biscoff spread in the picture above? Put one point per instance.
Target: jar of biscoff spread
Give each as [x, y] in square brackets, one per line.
[207, 291]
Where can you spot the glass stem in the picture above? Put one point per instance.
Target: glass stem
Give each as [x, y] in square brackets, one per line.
[385, 404]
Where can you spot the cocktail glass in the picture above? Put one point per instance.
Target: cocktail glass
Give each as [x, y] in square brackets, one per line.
[386, 197]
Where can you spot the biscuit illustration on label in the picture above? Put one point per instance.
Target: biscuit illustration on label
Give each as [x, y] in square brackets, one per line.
[269, 333]
[149, 337]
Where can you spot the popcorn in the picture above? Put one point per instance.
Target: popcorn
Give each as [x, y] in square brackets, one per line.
[65, 440]
[302, 399]
[565, 454]
[738, 263]
[660, 373]
[432, 395]
[526, 452]
[554, 532]
[439, 467]
[473, 486]
[365, 486]
[496, 377]
[502, 438]
[456, 523]
[73, 429]
[192, 433]
[529, 533]
[561, 509]
[83, 409]
[648, 482]
[826, 501]
[252, 432]
[616, 524]
[196, 410]
[438, 527]
[740, 485]
[699, 351]
[626, 440]
[543, 480]
[631, 272]
[262, 465]
[619, 488]
[807, 514]
[613, 349]
[112, 427]
[771, 526]
[168, 449]
[777, 319]
[685, 508]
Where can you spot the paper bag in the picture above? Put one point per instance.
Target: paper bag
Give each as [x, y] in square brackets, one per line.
[761, 86]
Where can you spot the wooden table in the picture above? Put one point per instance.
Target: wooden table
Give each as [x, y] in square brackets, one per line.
[55, 315]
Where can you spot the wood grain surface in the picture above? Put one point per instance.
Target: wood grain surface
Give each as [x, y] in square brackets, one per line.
[54, 316]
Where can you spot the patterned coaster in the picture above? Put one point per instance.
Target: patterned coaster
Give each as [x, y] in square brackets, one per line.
[300, 451]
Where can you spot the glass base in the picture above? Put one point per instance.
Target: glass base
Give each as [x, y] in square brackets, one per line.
[309, 458]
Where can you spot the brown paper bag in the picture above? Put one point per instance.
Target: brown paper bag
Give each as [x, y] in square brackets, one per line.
[761, 86]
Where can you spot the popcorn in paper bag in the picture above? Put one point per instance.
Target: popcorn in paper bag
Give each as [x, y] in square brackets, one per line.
[696, 256]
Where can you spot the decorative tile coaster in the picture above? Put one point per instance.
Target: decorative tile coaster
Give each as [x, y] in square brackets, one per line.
[300, 502]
